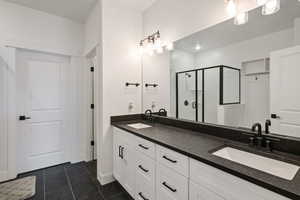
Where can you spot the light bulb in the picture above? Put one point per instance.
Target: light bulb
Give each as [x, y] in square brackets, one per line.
[261, 2]
[271, 7]
[157, 43]
[170, 46]
[241, 18]
[198, 47]
[150, 46]
[231, 8]
[160, 50]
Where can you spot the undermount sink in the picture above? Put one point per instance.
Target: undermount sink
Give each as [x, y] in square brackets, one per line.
[275, 167]
[139, 126]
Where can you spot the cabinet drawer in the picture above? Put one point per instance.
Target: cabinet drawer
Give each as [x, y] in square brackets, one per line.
[146, 147]
[145, 167]
[170, 185]
[145, 190]
[198, 192]
[228, 186]
[173, 160]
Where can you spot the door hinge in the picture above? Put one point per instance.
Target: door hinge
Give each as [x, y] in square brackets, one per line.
[92, 106]
[92, 143]
[92, 69]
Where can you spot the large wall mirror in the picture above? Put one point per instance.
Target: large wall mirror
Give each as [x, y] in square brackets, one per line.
[233, 75]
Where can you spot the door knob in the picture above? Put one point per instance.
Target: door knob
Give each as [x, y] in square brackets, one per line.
[23, 118]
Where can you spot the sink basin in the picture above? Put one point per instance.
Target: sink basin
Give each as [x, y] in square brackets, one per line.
[139, 126]
[275, 167]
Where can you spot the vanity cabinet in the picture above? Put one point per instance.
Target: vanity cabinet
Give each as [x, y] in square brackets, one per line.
[152, 172]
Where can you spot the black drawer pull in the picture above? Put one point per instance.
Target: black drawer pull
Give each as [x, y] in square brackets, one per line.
[141, 195]
[168, 159]
[142, 168]
[143, 146]
[167, 186]
[122, 152]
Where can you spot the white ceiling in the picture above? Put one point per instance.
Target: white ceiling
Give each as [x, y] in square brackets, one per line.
[76, 10]
[139, 5]
[227, 33]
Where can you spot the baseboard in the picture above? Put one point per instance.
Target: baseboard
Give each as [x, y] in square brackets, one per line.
[3, 176]
[105, 178]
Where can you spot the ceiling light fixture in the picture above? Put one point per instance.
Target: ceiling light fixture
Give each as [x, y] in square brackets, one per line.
[271, 7]
[231, 7]
[241, 18]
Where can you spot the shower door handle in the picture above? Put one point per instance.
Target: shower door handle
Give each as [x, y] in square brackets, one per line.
[194, 105]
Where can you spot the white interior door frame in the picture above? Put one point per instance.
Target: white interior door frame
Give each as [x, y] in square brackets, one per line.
[10, 172]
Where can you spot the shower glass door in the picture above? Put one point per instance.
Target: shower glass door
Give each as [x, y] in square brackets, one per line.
[186, 95]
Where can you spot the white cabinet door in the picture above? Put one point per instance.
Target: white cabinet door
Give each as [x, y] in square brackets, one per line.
[124, 160]
[285, 87]
[198, 192]
[128, 154]
[118, 164]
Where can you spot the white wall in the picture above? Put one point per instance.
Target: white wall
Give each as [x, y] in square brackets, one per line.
[119, 63]
[32, 29]
[176, 19]
[3, 120]
[297, 31]
[257, 48]
[92, 29]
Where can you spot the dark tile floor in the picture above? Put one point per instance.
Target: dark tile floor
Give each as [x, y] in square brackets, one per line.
[74, 182]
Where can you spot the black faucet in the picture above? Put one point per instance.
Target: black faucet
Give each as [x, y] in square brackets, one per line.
[162, 112]
[259, 131]
[267, 125]
[148, 114]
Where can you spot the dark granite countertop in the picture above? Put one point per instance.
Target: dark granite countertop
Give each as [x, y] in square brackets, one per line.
[199, 146]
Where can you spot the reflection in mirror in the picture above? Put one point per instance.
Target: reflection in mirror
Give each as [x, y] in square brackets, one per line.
[236, 75]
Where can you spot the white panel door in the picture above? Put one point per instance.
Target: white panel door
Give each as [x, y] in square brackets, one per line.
[43, 139]
[285, 95]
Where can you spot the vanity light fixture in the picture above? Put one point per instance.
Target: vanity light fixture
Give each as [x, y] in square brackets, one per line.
[153, 43]
[241, 18]
[271, 7]
[231, 7]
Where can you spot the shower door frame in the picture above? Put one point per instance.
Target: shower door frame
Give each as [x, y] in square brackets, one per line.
[221, 89]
